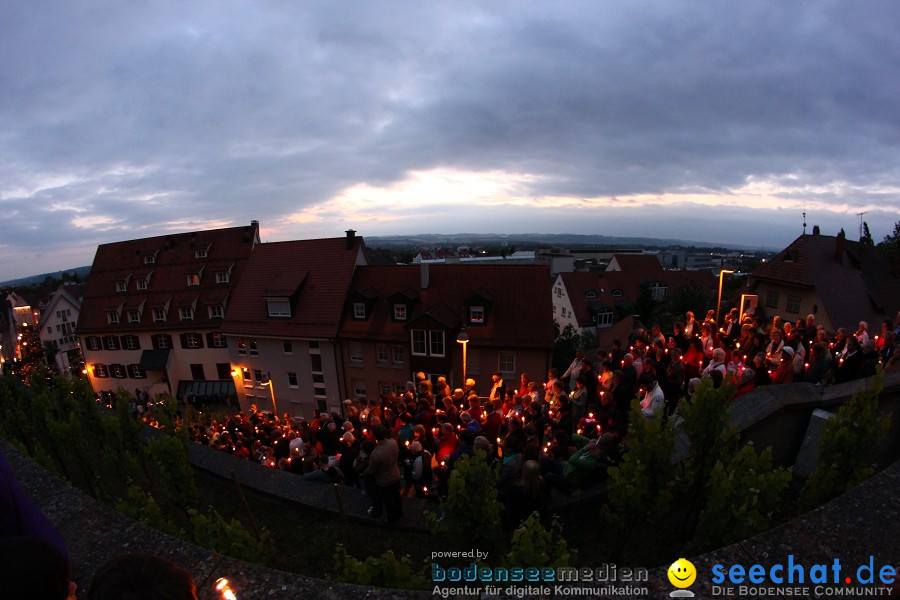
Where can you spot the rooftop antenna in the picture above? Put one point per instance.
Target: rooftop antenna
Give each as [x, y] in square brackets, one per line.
[860, 215]
[804, 218]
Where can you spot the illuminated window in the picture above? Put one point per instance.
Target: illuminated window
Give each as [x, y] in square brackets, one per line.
[476, 314]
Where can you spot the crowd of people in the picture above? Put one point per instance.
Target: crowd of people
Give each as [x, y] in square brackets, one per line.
[561, 433]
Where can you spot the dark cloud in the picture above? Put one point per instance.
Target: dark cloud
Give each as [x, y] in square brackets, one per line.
[120, 119]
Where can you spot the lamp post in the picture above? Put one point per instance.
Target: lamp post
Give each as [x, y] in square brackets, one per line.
[719, 302]
[272, 391]
[463, 338]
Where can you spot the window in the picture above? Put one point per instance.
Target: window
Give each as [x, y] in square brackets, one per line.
[216, 311]
[141, 284]
[135, 372]
[287, 346]
[223, 371]
[318, 375]
[590, 294]
[617, 293]
[257, 374]
[217, 340]
[558, 291]
[159, 314]
[476, 314]
[292, 380]
[201, 253]
[112, 317]
[193, 279]
[186, 313]
[197, 372]
[506, 363]
[399, 312]
[605, 318]
[658, 290]
[100, 370]
[254, 349]
[162, 341]
[772, 299]
[248, 379]
[359, 310]
[381, 355]
[397, 356]
[131, 342]
[359, 388]
[356, 354]
[110, 342]
[437, 343]
[149, 259]
[93, 343]
[118, 371]
[242, 347]
[419, 342]
[122, 285]
[279, 307]
[191, 341]
[222, 277]
[793, 304]
[134, 316]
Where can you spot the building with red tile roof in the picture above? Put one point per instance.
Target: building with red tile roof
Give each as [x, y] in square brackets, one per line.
[153, 308]
[839, 281]
[57, 327]
[403, 319]
[595, 301]
[283, 324]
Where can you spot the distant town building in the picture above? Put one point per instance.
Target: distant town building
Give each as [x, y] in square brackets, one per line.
[57, 327]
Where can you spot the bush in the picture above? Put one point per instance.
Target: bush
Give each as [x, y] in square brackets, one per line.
[385, 571]
[534, 545]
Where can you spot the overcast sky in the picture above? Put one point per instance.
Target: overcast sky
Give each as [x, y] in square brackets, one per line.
[710, 121]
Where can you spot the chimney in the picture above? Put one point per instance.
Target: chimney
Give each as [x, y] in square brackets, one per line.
[425, 275]
[839, 247]
[351, 239]
[816, 230]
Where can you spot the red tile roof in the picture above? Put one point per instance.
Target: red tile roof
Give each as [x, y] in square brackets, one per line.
[316, 273]
[603, 285]
[174, 257]
[520, 314]
[854, 284]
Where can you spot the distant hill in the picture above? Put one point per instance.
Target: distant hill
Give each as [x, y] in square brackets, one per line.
[565, 240]
[82, 273]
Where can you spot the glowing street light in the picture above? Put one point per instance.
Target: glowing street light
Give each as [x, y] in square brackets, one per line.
[719, 303]
[463, 338]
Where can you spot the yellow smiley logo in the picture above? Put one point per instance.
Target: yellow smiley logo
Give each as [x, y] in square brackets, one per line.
[682, 573]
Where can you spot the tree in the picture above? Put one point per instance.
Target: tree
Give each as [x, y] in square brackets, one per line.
[890, 245]
[866, 236]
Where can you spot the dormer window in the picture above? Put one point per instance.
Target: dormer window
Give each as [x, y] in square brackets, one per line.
[359, 310]
[141, 284]
[617, 293]
[201, 253]
[399, 312]
[193, 279]
[476, 315]
[112, 317]
[590, 294]
[186, 313]
[279, 307]
[134, 316]
[122, 285]
[222, 277]
[216, 311]
[150, 259]
[159, 314]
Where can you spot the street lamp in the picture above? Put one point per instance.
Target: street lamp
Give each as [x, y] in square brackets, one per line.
[271, 391]
[719, 303]
[463, 338]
